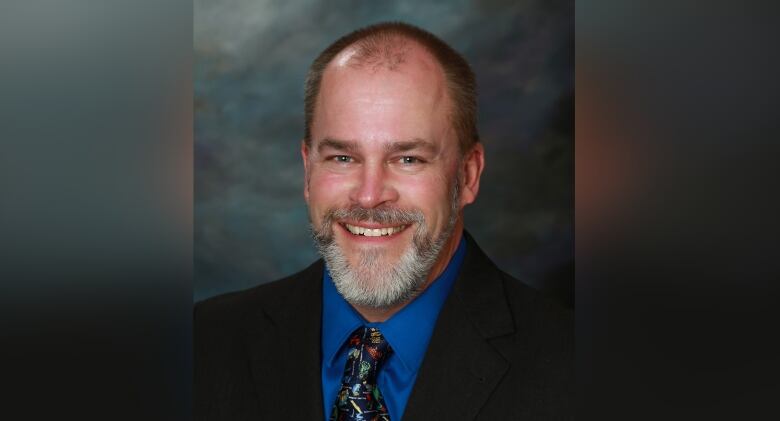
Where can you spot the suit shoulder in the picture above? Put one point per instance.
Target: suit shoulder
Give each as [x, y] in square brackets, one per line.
[536, 305]
[232, 307]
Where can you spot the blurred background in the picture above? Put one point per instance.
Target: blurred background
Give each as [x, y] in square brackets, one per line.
[250, 61]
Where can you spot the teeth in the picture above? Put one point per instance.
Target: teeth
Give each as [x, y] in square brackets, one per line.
[373, 232]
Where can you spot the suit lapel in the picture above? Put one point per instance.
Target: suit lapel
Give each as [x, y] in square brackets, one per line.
[461, 369]
[283, 341]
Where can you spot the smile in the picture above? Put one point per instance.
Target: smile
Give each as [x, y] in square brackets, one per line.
[374, 232]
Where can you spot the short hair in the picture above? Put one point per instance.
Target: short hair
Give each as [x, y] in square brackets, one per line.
[383, 44]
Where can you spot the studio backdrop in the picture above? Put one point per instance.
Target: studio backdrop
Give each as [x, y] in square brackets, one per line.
[251, 59]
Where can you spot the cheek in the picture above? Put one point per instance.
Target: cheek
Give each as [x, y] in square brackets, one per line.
[431, 196]
[327, 190]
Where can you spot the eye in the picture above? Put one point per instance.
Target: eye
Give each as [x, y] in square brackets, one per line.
[342, 159]
[409, 160]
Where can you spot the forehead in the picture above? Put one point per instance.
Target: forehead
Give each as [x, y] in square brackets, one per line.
[372, 99]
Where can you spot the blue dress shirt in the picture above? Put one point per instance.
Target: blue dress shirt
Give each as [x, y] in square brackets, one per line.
[408, 333]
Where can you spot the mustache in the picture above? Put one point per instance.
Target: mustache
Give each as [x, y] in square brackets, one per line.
[323, 234]
[382, 215]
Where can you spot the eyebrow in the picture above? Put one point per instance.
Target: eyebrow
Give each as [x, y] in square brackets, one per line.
[392, 147]
[409, 145]
[339, 145]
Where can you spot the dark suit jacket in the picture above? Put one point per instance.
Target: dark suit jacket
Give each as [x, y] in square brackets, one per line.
[500, 350]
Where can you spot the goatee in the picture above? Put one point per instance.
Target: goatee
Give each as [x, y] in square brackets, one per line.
[374, 281]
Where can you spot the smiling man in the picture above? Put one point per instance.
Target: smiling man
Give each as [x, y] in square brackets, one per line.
[404, 317]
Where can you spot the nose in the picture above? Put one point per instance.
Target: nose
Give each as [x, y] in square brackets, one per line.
[374, 187]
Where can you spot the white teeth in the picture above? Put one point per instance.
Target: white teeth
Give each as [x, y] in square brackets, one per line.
[373, 232]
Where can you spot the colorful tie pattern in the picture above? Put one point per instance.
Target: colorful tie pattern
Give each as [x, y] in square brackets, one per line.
[359, 398]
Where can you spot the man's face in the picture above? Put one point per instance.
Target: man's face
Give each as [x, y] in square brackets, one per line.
[382, 173]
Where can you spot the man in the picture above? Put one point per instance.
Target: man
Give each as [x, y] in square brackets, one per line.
[405, 317]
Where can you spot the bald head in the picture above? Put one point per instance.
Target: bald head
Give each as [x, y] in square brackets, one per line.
[399, 47]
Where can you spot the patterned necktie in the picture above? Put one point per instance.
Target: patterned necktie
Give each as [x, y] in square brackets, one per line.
[359, 397]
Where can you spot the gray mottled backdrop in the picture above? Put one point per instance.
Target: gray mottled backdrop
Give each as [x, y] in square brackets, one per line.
[251, 58]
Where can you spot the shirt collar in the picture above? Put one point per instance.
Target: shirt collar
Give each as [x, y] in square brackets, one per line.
[408, 331]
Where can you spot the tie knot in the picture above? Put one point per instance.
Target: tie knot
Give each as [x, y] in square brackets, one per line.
[372, 341]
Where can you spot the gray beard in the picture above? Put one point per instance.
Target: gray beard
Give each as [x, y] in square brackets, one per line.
[375, 282]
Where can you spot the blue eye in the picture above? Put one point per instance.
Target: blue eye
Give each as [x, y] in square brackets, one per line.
[342, 158]
[410, 160]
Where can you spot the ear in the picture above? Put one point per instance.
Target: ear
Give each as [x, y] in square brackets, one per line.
[472, 166]
[306, 163]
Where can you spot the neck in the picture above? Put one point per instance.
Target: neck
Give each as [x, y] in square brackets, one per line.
[375, 315]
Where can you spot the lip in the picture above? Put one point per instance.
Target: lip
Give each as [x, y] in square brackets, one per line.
[371, 225]
[366, 239]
